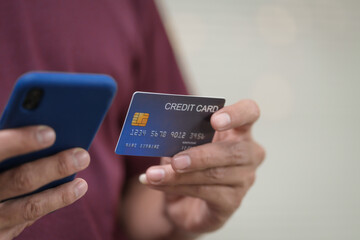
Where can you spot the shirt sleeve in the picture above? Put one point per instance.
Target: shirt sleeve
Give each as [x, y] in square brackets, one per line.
[156, 69]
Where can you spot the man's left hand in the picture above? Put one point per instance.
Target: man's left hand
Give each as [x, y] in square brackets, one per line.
[204, 185]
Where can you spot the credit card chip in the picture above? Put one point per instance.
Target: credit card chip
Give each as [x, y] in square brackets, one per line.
[140, 119]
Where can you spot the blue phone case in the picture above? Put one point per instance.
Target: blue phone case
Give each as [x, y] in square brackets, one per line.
[73, 104]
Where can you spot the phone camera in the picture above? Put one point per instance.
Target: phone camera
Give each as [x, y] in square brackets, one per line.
[33, 98]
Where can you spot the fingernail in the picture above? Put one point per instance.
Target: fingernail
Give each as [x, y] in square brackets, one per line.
[142, 178]
[80, 189]
[45, 135]
[181, 162]
[222, 120]
[155, 175]
[81, 158]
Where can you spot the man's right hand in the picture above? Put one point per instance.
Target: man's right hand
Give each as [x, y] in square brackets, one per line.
[19, 213]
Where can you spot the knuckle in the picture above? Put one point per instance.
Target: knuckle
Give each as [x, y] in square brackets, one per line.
[254, 108]
[215, 174]
[236, 202]
[231, 201]
[16, 142]
[32, 210]
[197, 190]
[23, 137]
[241, 182]
[63, 167]
[200, 190]
[239, 195]
[22, 178]
[202, 154]
[261, 154]
[165, 160]
[246, 180]
[237, 153]
[27, 138]
[27, 143]
[67, 198]
[251, 178]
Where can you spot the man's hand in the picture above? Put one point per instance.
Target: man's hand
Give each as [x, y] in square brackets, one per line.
[204, 185]
[19, 213]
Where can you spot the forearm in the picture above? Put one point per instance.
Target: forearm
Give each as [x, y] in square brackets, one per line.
[143, 216]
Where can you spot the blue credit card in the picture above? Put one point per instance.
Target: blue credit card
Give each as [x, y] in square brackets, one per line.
[161, 125]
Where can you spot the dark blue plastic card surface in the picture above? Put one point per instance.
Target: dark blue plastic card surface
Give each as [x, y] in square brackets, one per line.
[165, 124]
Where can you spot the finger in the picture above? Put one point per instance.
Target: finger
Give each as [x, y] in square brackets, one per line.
[219, 197]
[232, 176]
[258, 154]
[19, 141]
[31, 176]
[12, 232]
[219, 154]
[31, 208]
[241, 114]
[165, 160]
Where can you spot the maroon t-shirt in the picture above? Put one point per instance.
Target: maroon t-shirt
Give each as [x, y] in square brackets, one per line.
[122, 38]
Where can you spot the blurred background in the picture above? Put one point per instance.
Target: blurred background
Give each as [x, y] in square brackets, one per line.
[300, 60]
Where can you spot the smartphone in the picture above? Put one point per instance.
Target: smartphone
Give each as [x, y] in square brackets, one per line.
[73, 104]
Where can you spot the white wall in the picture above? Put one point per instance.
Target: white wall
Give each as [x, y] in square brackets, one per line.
[300, 59]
